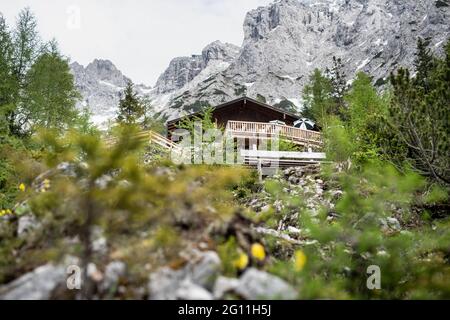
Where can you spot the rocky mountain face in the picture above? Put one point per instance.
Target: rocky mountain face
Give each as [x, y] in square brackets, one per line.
[286, 40]
[283, 43]
[100, 84]
[183, 70]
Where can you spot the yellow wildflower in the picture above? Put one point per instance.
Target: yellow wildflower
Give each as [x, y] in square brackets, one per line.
[22, 187]
[300, 260]
[8, 211]
[242, 262]
[2, 213]
[258, 252]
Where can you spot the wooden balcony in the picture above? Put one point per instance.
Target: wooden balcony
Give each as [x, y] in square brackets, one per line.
[245, 129]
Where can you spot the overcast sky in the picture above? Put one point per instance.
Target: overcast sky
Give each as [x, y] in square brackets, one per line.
[139, 37]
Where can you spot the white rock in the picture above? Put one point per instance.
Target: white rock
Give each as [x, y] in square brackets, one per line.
[35, 285]
[164, 283]
[255, 284]
[224, 285]
[202, 271]
[191, 291]
[293, 230]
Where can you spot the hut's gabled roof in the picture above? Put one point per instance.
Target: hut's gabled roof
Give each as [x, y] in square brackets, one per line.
[237, 101]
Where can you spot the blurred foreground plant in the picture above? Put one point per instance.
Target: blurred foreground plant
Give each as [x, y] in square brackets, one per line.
[367, 228]
[143, 210]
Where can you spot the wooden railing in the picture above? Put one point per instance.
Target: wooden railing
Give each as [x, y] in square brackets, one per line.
[297, 135]
[163, 141]
[152, 137]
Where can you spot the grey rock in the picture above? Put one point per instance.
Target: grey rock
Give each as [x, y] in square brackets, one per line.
[99, 243]
[205, 271]
[191, 291]
[113, 272]
[255, 284]
[67, 168]
[164, 283]
[283, 43]
[36, 285]
[201, 271]
[182, 70]
[285, 40]
[100, 84]
[393, 223]
[27, 224]
[224, 285]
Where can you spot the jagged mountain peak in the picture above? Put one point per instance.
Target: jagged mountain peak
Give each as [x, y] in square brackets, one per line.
[283, 43]
[105, 70]
[182, 70]
[218, 50]
[100, 84]
[285, 40]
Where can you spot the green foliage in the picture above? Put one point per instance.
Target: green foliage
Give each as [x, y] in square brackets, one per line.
[424, 64]
[419, 115]
[109, 186]
[365, 113]
[151, 120]
[324, 95]
[412, 262]
[338, 144]
[317, 97]
[247, 185]
[17, 165]
[205, 119]
[83, 124]
[283, 144]
[25, 50]
[150, 212]
[286, 105]
[339, 87]
[8, 85]
[36, 86]
[261, 98]
[131, 108]
[229, 253]
[50, 95]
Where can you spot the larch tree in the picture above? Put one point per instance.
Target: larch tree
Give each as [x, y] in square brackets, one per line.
[50, 95]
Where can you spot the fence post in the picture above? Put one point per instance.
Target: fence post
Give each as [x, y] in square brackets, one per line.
[259, 171]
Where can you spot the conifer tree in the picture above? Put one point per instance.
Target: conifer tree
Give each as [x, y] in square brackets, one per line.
[50, 94]
[338, 80]
[26, 43]
[317, 96]
[7, 80]
[25, 48]
[424, 63]
[420, 118]
[131, 107]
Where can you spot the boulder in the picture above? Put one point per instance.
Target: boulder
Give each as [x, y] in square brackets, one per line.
[205, 270]
[256, 285]
[191, 291]
[35, 285]
[26, 224]
[224, 285]
[200, 272]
